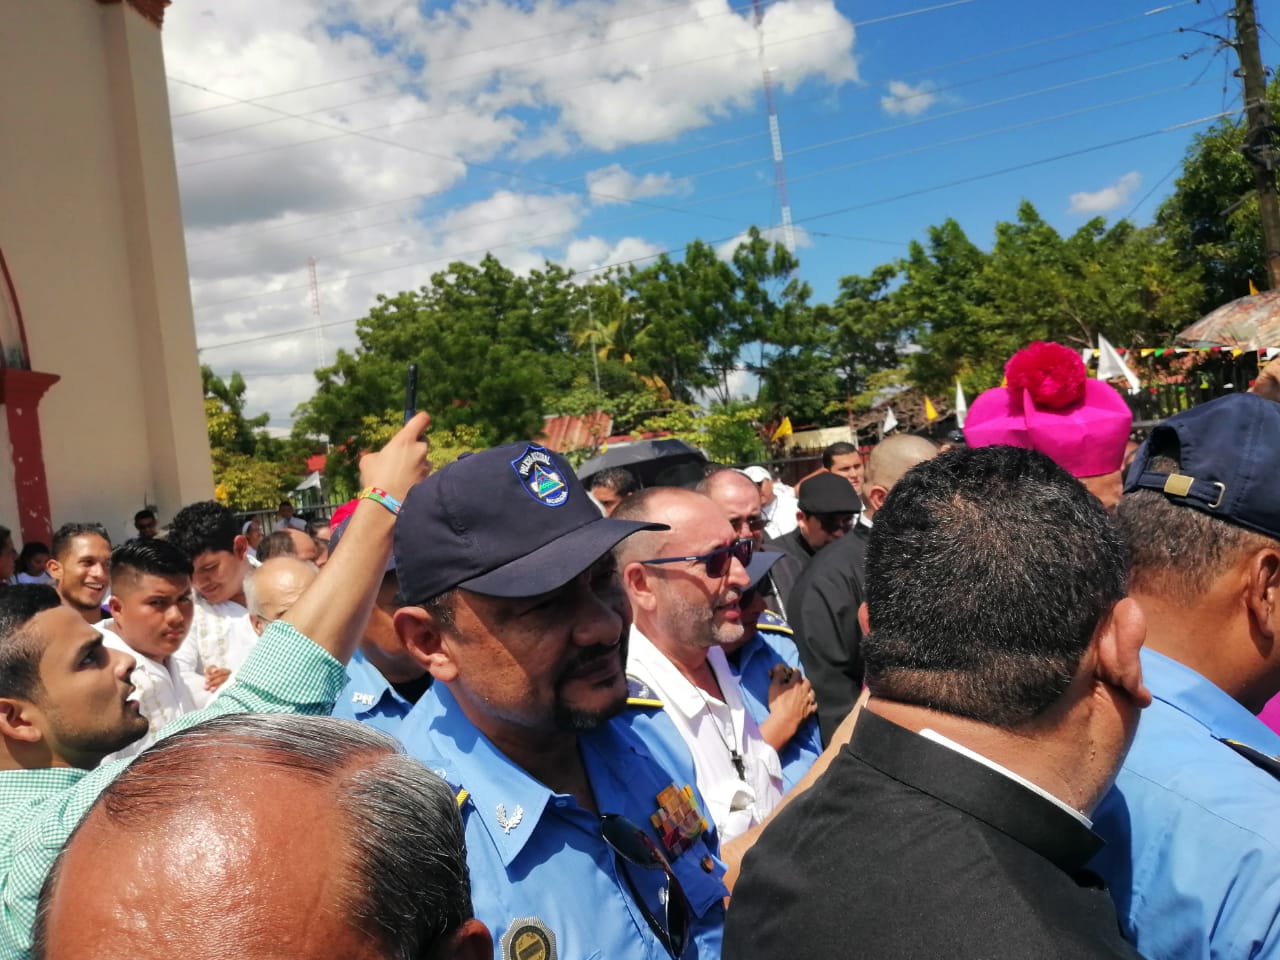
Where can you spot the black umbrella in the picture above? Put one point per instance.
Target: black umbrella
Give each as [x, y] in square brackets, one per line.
[667, 462]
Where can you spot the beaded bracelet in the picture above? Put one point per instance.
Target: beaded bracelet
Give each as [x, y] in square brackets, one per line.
[378, 495]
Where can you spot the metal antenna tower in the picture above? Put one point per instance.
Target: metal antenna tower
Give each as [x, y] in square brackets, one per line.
[315, 312]
[775, 133]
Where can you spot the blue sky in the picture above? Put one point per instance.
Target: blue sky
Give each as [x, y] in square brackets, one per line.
[593, 133]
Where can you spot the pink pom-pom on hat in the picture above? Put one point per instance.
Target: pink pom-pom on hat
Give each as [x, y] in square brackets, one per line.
[1051, 405]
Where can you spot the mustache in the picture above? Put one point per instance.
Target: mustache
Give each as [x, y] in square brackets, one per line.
[588, 658]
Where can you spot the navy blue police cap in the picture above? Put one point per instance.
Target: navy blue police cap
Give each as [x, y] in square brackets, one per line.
[512, 521]
[1228, 451]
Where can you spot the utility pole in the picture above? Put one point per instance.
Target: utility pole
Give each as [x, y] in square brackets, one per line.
[1259, 146]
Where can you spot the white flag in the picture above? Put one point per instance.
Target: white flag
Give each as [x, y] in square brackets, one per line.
[962, 405]
[1111, 367]
[890, 421]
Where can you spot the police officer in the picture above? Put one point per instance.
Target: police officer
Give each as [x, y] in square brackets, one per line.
[1193, 840]
[583, 839]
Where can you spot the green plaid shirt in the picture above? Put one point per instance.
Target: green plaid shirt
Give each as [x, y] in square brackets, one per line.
[285, 673]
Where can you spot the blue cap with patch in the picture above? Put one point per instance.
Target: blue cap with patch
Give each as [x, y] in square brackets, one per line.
[1228, 452]
[512, 521]
[761, 563]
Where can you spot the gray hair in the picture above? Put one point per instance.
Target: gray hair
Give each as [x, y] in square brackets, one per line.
[406, 884]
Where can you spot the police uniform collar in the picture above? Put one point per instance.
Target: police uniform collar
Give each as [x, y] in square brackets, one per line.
[367, 685]
[649, 663]
[975, 789]
[1205, 702]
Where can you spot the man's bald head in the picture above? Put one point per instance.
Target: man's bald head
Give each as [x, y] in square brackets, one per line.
[293, 837]
[273, 588]
[673, 506]
[736, 493]
[890, 460]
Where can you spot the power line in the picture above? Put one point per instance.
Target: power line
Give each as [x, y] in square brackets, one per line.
[688, 208]
[963, 181]
[346, 132]
[727, 142]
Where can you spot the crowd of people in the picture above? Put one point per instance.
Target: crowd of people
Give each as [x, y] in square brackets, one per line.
[994, 701]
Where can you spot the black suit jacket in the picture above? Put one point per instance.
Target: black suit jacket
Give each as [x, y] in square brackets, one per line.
[907, 849]
[823, 611]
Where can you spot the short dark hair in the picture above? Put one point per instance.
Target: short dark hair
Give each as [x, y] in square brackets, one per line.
[406, 886]
[618, 479]
[156, 557]
[285, 503]
[840, 449]
[144, 514]
[63, 536]
[20, 652]
[988, 572]
[1174, 550]
[203, 527]
[278, 544]
[30, 549]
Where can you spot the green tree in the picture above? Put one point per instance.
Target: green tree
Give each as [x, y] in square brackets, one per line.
[250, 468]
[1211, 218]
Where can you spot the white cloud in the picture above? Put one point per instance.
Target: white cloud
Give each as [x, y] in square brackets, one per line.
[727, 249]
[904, 99]
[419, 154]
[1109, 197]
[616, 184]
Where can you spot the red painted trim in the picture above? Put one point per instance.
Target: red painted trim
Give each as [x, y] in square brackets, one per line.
[20, 392]
[153, 10]
[17, 310]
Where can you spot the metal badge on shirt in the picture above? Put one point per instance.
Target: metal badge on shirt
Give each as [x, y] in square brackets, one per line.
[528, 939]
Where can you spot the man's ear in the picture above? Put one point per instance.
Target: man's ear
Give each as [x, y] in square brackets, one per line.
[1118, 640]
[1262, 594]
[639, 588]
[115, 606]
[471, 941]
[240, 546]
[54, 569]
[876, 497]
[864, 618]
[17, 721]
[426, 638]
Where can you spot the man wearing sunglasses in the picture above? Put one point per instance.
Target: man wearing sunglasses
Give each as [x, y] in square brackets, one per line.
[685, 585]
[829, 505]
[582, 838]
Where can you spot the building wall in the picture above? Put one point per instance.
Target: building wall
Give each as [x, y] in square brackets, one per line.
[91, 228]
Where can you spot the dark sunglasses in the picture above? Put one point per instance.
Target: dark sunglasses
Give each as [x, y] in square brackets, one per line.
[718, 560]
[831, 522]
[762, 589]
[635, 848]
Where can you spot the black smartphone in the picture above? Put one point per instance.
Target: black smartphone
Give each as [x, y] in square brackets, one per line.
[411, 392]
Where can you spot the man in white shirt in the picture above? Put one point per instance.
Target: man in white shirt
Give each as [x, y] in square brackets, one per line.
[221, 635]
[151, 610]
[286, 520]
[684, 585]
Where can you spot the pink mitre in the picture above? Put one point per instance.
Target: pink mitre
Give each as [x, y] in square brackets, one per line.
[1051, 405]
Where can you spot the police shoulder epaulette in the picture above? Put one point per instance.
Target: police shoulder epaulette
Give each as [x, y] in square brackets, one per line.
[1256, 757]
[640, 694]
[770, 622]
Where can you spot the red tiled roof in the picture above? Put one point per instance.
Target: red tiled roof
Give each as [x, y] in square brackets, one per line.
[571, 433]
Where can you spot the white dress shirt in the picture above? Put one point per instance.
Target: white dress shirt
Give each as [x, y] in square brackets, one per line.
[781, 514]
[220, 636]
[714, 729]
[158, 687]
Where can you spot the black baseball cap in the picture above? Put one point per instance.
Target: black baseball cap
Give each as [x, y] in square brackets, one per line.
[512, 521]
[1228, 451]
[828, 493]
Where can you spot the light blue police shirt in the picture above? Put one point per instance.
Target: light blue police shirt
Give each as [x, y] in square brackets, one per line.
[1192, 827]
[538, 856]
[369, 698]
[770, 645]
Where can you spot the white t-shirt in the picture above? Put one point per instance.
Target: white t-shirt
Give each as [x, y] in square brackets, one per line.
[158, 687]
[781, 514]
[294, 522]
[713, 729]
[220, 636]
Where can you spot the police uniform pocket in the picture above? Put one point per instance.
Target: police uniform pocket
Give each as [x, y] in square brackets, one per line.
[701, 874]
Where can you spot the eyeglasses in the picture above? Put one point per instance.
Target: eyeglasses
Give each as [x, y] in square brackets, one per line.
[831, 522]
[635, 848]
[754, 524]
[718, 560]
